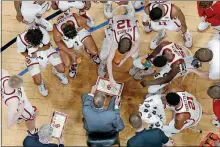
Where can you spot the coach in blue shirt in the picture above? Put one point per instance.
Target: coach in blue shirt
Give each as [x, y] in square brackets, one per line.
[146, 138]
[42, 138]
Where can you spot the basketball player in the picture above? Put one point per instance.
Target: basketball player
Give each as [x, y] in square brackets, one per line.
[165, 16]
[209, 14]
[187, 111]
[173, 60]
[18, 105]
[211, 55]
[83, 6]
[30, 13]
[34, 45]
[214, 93]
[71, 32]
[122, 35]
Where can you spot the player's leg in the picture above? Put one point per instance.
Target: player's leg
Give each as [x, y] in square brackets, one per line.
[157, 39]
[41, 21]
[34, 69]
[58, 68]
[83, 12]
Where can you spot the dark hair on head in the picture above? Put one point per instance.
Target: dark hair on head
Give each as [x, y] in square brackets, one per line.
[205, 4]
[156, 14]
[124, 45]
[204, 55]
[34, 36]
[214, 91]
[160, 61]
[69, 31]
[173, 98]
[135, 121]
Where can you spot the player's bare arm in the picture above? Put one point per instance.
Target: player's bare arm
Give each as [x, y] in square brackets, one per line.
[54, 5]
[200, 73]
[14, 111]
[146, 19]
[109, 67]
[17, 5]
[180, 120]
[177, 13]
[82, 22]
[163, 80]
[58, 40]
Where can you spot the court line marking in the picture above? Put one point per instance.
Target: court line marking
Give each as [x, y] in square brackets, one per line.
[51, 17]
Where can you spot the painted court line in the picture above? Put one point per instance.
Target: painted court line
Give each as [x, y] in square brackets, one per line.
[51, 17]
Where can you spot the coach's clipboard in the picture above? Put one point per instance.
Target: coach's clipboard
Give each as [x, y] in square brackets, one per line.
[58, 122]
[103, 85]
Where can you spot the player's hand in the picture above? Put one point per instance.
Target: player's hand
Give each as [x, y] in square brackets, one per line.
[21, 106]
[117, 101]
[113, 83]
[146, 23]
[87, 5]
[93, 89]
[19, 17]
[144, 83]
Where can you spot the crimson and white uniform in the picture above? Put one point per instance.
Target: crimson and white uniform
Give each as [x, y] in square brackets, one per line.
[68, 17]
[119, 26]
[43, 57]
[190, 105]
[65, 5]
[31, 9]
[29, 110]
[179, 54]
[166, 22]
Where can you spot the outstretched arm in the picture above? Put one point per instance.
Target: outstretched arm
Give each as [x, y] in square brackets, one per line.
[109, 67]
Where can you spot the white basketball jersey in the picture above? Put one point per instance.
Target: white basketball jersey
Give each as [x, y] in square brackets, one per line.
[177, 51]
[16, 93]
[190, 105]
[67, 17]
[122, 25]
[30, 4]
[166, 22]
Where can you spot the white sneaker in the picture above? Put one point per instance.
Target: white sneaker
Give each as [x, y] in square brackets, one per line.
[42, 89]
[108, 10]
[45, 24]
[102, 69]
[60, 76]
[187, 37]
[133, 70]
[147, 29]
[217, 36]
[203, 26]
[89, 19]
[216, 123]
[141, 74]
[155, 42]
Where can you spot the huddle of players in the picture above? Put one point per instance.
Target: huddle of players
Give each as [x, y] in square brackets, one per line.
[70, 33]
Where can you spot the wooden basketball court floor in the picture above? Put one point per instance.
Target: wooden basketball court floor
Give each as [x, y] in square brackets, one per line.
[67, 99]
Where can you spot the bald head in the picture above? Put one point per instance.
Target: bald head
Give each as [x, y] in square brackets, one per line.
[204, 55]
[135, 121]
[99, 100]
